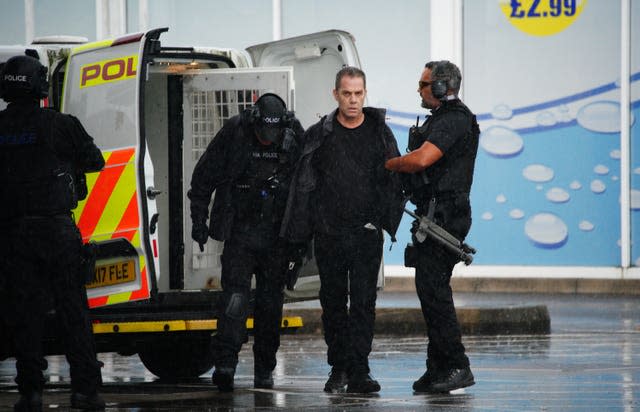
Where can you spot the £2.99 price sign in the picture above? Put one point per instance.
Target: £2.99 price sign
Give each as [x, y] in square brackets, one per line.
[542, 17]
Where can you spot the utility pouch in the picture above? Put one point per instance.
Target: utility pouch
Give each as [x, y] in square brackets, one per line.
[88, 265]
[415, 139]
[81, 185]
[411, 256]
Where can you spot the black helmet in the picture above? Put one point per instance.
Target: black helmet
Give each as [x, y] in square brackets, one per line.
[23, 76]
[270, 117]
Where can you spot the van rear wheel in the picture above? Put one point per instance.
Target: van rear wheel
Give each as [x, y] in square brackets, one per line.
[177, 357]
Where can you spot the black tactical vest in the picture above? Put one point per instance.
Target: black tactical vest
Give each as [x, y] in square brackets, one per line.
[453, 173]
[260, 191]
[33, 179]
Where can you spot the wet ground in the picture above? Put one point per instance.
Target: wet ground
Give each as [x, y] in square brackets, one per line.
[589, 361]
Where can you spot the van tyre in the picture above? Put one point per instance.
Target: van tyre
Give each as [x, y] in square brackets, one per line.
[177, 358]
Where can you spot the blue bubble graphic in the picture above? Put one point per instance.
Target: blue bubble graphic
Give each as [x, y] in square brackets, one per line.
[545, 119]
[546, 230]
[487, 216]
[601, 170]
[557, 195]
[601, 117]
[516, 214]
[538, 173]
[598, 186]
[501, 142]
[586, 226]
[502, 112]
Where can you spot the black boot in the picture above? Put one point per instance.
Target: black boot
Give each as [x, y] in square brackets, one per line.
[29, 403]
[423, 384]
[362, 383]
[262, 379]
[223, 378]
[453, 379]
[337, 381]
[87, 402]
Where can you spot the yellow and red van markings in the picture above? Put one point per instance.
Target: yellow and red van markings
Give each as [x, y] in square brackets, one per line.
[111, 211]
[129, 224]
[141, 293]
[107, 71]
[108, 178]
[101, 44]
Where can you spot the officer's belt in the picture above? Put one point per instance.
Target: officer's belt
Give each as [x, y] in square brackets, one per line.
[442, 196]
[435, 199]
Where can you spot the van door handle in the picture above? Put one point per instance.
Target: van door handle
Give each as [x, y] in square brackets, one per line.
[152, 192]
[153, 224]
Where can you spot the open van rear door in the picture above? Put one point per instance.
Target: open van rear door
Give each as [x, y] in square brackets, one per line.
[101, 88]
[315, 58]
[210, 97]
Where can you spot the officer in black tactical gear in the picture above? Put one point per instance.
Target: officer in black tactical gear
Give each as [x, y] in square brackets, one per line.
[249, 164]
[42, 155]
[440, 172]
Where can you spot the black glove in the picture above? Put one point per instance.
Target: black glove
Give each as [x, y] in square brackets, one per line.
[200, 233]
[88, 266]
[289, 140]
[294, 253]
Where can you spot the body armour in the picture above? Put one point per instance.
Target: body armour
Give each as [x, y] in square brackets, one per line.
[260, 192]
[453, 173]
[33, 180]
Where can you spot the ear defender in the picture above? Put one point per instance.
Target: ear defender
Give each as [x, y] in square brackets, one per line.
[41, 89]
[439, 87]
[287, 118]
[254, 114]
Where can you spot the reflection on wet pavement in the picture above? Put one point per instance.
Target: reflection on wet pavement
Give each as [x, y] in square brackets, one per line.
[590, 361]
[563, 372]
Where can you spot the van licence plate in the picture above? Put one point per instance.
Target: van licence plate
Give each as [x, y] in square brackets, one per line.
[113, 274]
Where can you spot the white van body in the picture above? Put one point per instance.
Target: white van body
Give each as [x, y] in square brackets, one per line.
[153, 110]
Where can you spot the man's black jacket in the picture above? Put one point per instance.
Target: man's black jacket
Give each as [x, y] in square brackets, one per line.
[298, 222]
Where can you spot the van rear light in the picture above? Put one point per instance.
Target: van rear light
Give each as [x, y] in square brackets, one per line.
[130, 38]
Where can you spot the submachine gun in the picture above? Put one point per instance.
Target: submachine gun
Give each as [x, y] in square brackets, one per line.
[427, 228]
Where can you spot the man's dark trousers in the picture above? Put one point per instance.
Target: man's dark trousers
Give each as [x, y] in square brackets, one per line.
[41, 259]
[348, 265]
[241, 258]
[433, 276]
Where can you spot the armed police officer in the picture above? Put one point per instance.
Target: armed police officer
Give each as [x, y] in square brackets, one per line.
[43, 158]
[440, 167]
[249, 164]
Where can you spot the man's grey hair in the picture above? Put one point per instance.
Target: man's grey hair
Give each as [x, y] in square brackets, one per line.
[351, 72]
[445, 70]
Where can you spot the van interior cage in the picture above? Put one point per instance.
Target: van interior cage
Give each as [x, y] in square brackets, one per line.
[211, 109]
[210, 98]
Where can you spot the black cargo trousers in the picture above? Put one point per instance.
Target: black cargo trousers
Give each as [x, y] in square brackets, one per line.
[348, 266]
[246, 254]
[40, 259]
[433, 276]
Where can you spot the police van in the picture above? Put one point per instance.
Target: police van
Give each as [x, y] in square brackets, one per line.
[153, 110]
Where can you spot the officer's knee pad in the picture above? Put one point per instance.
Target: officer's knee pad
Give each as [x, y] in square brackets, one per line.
[237, 307]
